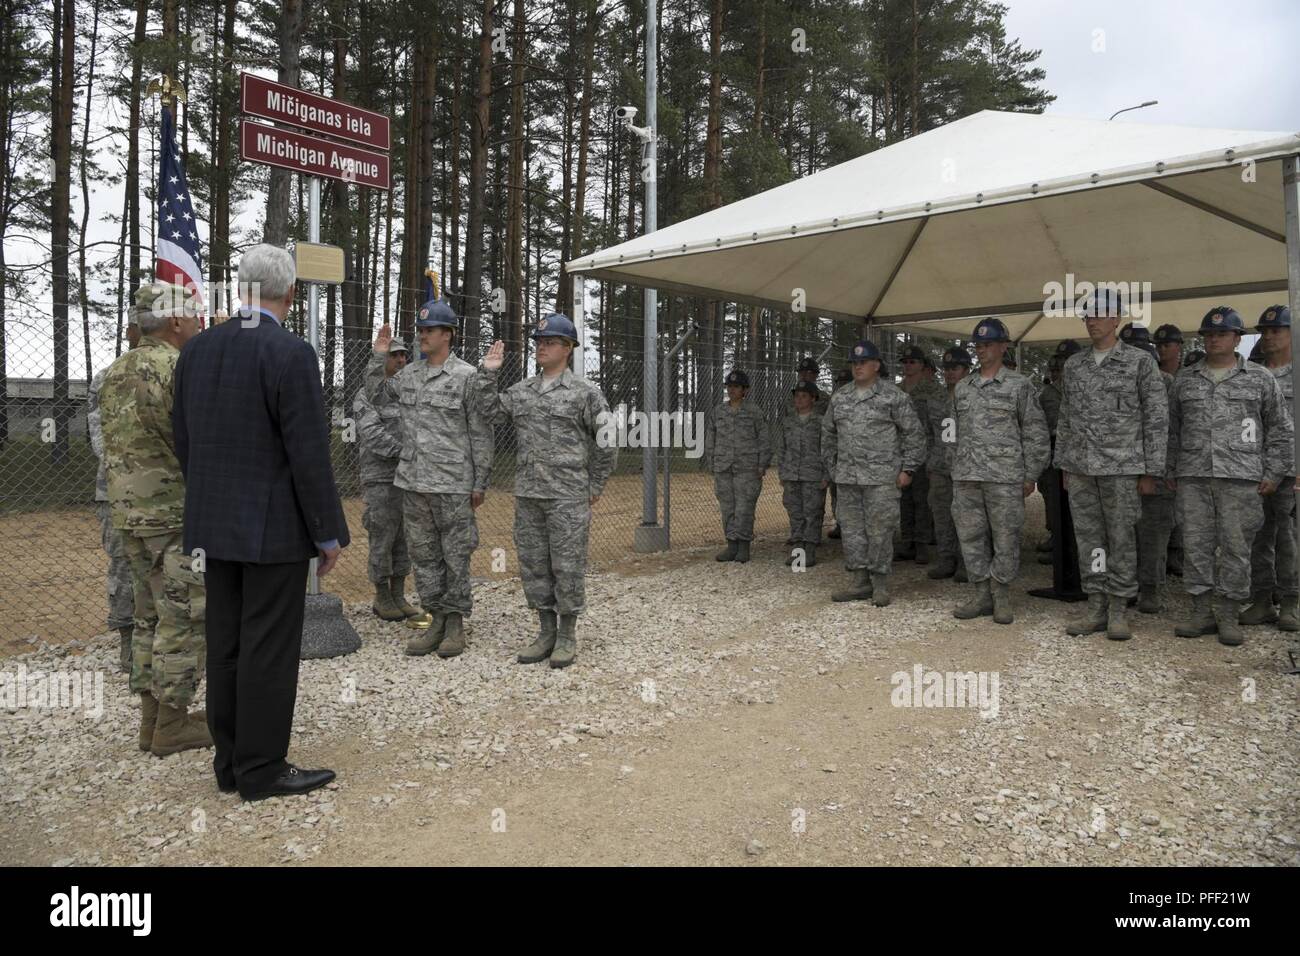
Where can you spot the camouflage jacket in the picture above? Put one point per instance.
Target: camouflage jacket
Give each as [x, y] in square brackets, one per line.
[1283, 375]
[737, 438]
[926, 392]
[446, 443]
[797, 448]
[868, 438]
[145, 486]
[1114, 415]
[1050, 398]
[95, 429]
[1237, 428]
[940, 423]
[1001, 431]
[379, 437]
[559, 455]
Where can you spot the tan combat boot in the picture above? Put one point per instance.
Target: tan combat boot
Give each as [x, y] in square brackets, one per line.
[453, 637]
[880, 590]
[1092, 620]
[1288, 617]
[859, 590]
[1117, 628]
[1226, 616]
[1002, 613]
[430, 636]
[397, 588]
[542, 646]
[148, 719]
[1201, 619]
[980, 605]
[177, 730]
[1261, 608]
[566, 642]
[383, 605]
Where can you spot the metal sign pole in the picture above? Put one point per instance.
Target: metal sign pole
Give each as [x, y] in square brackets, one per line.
[313, 320]
[650, 350]
[1291, 190]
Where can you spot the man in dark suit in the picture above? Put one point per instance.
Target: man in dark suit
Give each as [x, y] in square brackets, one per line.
[260, 501]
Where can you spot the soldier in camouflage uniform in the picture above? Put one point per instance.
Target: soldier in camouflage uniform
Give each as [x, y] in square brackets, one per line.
[1002, 446]
[1231, 444]
[797, 451]
[1110, 443]
[1273, 556]
[121, 595]
[443, 471]
[872, 443]
[739, 452]
[379, 430]
[1154, 530]
[914, 504]
[564, 461]
[1049, 482]
[146, 490]
[942, 428]
[808, 372]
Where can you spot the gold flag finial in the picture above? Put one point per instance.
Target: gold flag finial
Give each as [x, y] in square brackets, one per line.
[168, 89]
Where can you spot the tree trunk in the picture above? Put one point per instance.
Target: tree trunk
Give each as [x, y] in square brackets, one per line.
[471, 288]
[293, 18]
[61, 54]
[516, 291]
[82, 283]
[584, 133]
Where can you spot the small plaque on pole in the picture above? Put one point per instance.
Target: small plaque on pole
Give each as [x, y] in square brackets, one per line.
[319, 262]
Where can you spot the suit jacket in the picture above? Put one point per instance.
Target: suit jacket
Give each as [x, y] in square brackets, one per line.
[253, 442]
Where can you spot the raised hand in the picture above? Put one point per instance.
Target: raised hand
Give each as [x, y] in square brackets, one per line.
[383, 339]
[495, 357]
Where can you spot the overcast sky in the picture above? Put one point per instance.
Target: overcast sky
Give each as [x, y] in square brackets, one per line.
[1228, 65]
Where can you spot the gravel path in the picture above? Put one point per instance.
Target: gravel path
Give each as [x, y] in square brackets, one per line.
[718, 713]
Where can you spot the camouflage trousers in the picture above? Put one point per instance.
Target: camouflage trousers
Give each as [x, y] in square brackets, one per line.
[1273, 556]
[169, 644]
[383, 522]
[441, 535]
[737, 490]
[989, 516]
[121, 595]
[868, 517]
[1220, 517]
[1105, 510]
[805, 503]
[551, 540]
[1154, 530]
[914, 509]
[945, 532]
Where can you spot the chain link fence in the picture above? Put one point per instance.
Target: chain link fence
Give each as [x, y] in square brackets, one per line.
[52, 565]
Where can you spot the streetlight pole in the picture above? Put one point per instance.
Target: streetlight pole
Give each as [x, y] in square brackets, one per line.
[1138, 107]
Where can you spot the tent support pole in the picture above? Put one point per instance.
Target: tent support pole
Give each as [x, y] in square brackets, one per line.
[1215, 211]
[898, 267]
[1291, 190]
[1027, 330]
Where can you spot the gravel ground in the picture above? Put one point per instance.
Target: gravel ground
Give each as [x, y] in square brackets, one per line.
[718, 713]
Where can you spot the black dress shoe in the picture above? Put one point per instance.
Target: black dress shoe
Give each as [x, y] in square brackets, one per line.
[292, 781]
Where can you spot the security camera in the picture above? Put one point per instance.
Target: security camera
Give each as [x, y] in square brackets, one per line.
[625, 114]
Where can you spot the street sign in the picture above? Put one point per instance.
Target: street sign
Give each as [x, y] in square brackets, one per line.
[259, 143]
[319, 262]
[287, 104]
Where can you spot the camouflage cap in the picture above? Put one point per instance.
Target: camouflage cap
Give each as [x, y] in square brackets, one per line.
[165, 299]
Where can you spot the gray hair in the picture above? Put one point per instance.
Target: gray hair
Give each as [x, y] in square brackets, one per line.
[266, 273]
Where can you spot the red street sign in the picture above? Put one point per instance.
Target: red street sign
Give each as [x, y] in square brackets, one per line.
[259, 143]
[287, 104]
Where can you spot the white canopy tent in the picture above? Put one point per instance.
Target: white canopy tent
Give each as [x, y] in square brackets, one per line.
[976, 218]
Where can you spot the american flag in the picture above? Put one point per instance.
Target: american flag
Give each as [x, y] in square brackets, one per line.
[178, 259]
